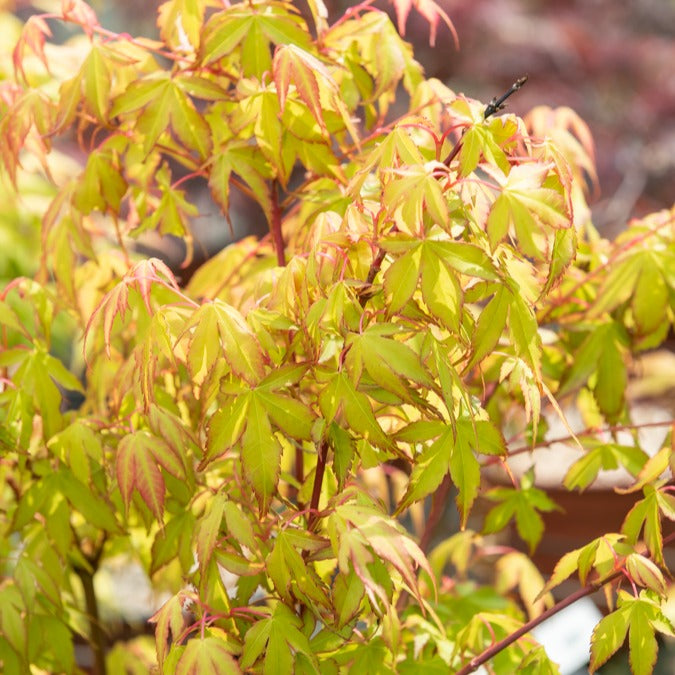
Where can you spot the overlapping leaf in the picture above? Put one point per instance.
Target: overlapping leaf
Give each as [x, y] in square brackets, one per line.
[218, 330]
[180, 23]
[341, 399]
[523, 505]
[389, 362]
[137, 466]
[454, 452]
[527, 206]
[164, 105]
[639, 617]
[278, 642]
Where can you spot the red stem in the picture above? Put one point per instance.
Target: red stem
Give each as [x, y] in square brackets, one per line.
[316, 489]
[580, 434]
[497, 647]
[453, 153]
[438, 502]
[299, 476]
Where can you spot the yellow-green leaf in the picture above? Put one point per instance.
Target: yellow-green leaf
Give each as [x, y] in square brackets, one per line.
[260, 454]
[400, 279]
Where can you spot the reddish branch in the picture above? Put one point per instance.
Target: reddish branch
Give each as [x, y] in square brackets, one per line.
[453, 153]
[299, 475]
[316, 489]
[579, 434]
[588, 589]
[438, 502]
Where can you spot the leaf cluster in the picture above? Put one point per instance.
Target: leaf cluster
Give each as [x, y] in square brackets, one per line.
[257, 437]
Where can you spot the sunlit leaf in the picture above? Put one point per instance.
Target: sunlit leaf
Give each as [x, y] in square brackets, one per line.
[260, 454]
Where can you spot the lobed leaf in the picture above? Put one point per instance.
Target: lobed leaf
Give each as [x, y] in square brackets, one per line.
[137, 469]
[260, 454]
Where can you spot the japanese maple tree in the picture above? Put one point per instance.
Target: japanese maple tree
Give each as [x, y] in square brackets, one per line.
[264, 438]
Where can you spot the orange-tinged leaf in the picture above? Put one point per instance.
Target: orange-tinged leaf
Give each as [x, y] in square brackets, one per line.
[149, 482]
[430, 10]
[138, 468]
[81, 13]
[645, 573]
[608, 637]
[125, 471]
[32, 37]
[170, 625]
[293, 65]
[113, 303]
[151, 271]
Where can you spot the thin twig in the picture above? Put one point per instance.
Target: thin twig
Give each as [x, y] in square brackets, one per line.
[497, 104]
[299, 476]
[438, 502]
[316, 489]
[584, 433]
[588, 589]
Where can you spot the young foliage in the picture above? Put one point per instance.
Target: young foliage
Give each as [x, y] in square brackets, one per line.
[256, 437]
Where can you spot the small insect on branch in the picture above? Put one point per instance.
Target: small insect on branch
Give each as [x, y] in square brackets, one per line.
[497, 104]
